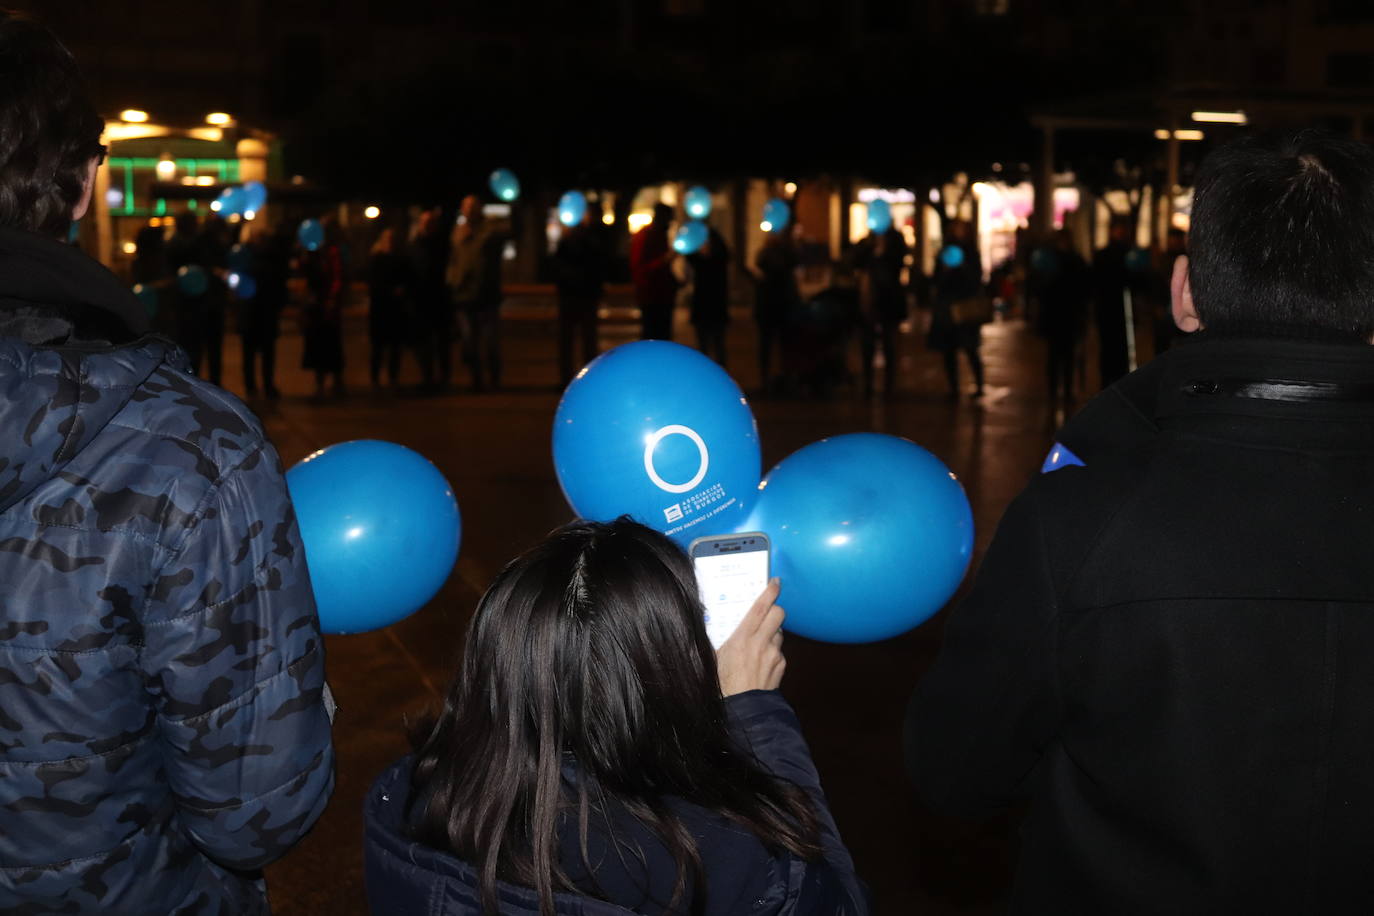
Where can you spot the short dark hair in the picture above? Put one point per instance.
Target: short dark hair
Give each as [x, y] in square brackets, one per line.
[49, 130]
[1283, 235]
[590, 647]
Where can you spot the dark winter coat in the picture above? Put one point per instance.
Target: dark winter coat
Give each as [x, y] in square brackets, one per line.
[1168, 651]
[162, 729]
[405, 877]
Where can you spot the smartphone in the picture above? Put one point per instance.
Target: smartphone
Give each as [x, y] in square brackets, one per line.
[732, 571]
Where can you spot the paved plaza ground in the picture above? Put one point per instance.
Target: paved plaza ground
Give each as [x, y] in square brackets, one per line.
[495, 449]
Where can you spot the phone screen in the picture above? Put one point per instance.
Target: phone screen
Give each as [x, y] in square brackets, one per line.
[732, 571]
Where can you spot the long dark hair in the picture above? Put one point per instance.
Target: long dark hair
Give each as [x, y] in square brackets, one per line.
[591, 646]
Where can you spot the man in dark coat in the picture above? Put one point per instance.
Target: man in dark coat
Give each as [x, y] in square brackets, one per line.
[580, 267]
[1062, 285]
[651, 269]
[1167, 651]
[163, 722]
[711, 295]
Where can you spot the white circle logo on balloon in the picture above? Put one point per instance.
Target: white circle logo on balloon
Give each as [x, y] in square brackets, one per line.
[651, 443]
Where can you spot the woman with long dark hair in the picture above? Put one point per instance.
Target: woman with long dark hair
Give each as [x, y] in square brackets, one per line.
[595, 756]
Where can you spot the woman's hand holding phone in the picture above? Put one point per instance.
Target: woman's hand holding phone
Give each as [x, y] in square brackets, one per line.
[752, 659]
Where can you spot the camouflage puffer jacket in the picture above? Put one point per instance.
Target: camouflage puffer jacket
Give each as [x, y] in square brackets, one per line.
[163, 733]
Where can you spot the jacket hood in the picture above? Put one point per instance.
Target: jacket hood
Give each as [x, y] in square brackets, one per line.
[62, 376]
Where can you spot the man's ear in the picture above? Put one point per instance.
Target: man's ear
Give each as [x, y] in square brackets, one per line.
[87, 188]
[1181, 292]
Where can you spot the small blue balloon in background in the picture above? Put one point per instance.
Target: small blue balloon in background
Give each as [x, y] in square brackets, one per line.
[381, 530]
[240, 258]
[572, 208]
[871, 536]
[310, 234]
[148, 296]
[879, 216]
[192, 281]
[697, 202]
[254, 196]
[1060, 457]
[776, 215]
[1138, 260]
[231, 200]
[1044, 260]
[659, 432]
[690, 236]
[504, 185]
[243, 285]
[952, 256]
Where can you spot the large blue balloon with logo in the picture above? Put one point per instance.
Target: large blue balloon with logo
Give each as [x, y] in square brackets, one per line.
[871, 535]
[381, 530]
[504, 185]
[697, 202]
[776, 214]
[661, 433]
[572, 207]
[879, 216]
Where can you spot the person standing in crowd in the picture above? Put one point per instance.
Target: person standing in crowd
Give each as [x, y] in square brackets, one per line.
[959, 306]
[776, 298]
[185, 250]
[429, 264]
[150, 256]
[651, 268]
[213, 247]
[323, 315]
[580, 267]
[880, 259]
[388, 278]
[711, 295]
[260, 316]
[1062, 285]
[1111, 286]
[1166, 650]
[165, 731]
[475, 276]
[645, 772]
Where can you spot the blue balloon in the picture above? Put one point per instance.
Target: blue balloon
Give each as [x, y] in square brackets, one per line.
[690, 236]
[776, 215]
[1044, 260]
[657, 431]
[504, 185]
[231, 200]
[254, 196]
[697, 202]
[1138, 260]
[381, 530]
[148, 296]
[243, 285]
[1060, 457]
[871, 535]
[879, 216]
[240, 258]
[311, 234]
[952, 256]
[192, 281]
[572, 207]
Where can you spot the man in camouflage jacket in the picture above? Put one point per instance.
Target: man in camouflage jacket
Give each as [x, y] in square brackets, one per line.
[163, 731]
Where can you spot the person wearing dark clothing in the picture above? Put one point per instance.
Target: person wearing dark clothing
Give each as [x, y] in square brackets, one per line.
[594, 809]
[776, 297]
[1111, 287]
[204, 339]
[260, 316]
[388, 276]
[711, 295]
[1062, 285]
[1166, 650]
[429, 264]
[475, 276]
[958, 311]
[880, 259]
[651, 269]
[150, 256]
[164, 733]
[580, 267]
[322, 317]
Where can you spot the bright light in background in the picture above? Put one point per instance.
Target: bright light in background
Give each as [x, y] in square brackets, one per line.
[668, 195]
[216, 205]
[608, 218]
[114, 197]
[790, 187]
[205, 180]
[638, 220]
[250, 215]
[129, 247]
[133, 116]
[1162, 134]
[1220, 117]
[219, 119]
[766, 226]
[372, 212]
[166, 169]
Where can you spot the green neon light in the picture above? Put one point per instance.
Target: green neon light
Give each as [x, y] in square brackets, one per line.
[161, 207]
[128, 190]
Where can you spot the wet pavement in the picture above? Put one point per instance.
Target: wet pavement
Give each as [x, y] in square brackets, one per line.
[495, 450]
